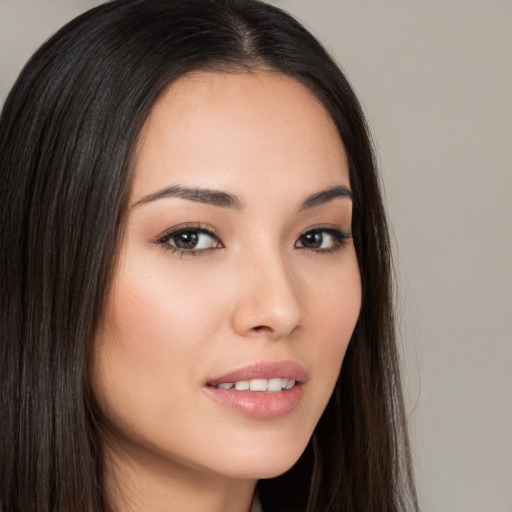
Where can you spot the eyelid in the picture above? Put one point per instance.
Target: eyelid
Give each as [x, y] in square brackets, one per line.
[192, 226]
[332, 228]
[163, 239]
[341, 237]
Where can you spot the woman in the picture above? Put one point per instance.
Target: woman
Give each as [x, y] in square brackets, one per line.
[194, 245]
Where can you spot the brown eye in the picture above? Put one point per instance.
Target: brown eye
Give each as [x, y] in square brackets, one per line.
[322, 239]
[312, 239]
[186, 240]
[190, 240]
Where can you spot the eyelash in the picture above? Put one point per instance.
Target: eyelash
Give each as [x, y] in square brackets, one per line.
[164, 241]
[339, 236]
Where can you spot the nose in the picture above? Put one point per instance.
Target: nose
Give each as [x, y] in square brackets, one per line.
[267, 303]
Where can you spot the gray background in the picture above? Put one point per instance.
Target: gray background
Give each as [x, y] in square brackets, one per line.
[435, 79]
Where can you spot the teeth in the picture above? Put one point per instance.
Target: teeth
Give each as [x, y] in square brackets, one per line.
[258, 385]
[242, 385]
[275, 384]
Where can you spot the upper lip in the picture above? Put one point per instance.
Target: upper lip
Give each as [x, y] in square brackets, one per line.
[264, 370]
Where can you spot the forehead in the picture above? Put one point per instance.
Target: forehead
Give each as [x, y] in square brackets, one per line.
[222, 129]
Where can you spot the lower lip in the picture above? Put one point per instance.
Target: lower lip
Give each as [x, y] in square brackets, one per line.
[259, 404]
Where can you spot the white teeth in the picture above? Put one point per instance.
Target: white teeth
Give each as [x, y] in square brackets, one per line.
[290, 384]
[274, 384]
[226, 385]
[242, 385]
[258, 385]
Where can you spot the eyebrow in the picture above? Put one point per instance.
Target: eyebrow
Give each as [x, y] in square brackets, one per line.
[226, 200]
[326, 196]
[196, 194]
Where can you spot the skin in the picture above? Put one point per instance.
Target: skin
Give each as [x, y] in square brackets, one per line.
[251, 292]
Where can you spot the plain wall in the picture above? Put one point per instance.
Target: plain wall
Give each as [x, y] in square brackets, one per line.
[435, 79]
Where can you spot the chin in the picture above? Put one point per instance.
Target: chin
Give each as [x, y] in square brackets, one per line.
[264, 462]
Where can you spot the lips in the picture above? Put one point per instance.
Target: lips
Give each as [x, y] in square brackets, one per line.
[264, 390]
[264, 370]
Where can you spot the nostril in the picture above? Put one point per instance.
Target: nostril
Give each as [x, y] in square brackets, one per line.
[266, 330]
[262, 329]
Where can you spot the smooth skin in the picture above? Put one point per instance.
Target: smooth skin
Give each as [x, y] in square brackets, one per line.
[206, 285]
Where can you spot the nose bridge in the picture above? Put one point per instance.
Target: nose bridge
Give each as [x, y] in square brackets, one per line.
[267, 299]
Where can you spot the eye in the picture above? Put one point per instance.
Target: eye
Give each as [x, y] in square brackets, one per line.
[190, 240]
[322, 239]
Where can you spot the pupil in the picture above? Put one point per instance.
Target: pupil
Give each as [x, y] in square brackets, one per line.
[313, 239]
[186, 240]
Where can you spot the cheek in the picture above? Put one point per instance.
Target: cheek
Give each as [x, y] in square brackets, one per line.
[339, 310]
[151, 335]
[334, 302]
[157, 317]
[335, 307]
[334, 295]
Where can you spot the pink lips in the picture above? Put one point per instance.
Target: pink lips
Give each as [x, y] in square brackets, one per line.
[261, 404]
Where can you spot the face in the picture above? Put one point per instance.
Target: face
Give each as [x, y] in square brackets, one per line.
[236, 271]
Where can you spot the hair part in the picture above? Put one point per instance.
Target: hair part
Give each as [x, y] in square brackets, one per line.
[68, 133]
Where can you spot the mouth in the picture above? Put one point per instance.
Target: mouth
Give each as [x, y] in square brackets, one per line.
[273, 385]
[263, 390]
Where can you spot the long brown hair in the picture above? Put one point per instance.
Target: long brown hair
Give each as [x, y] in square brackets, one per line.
[67, 133]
